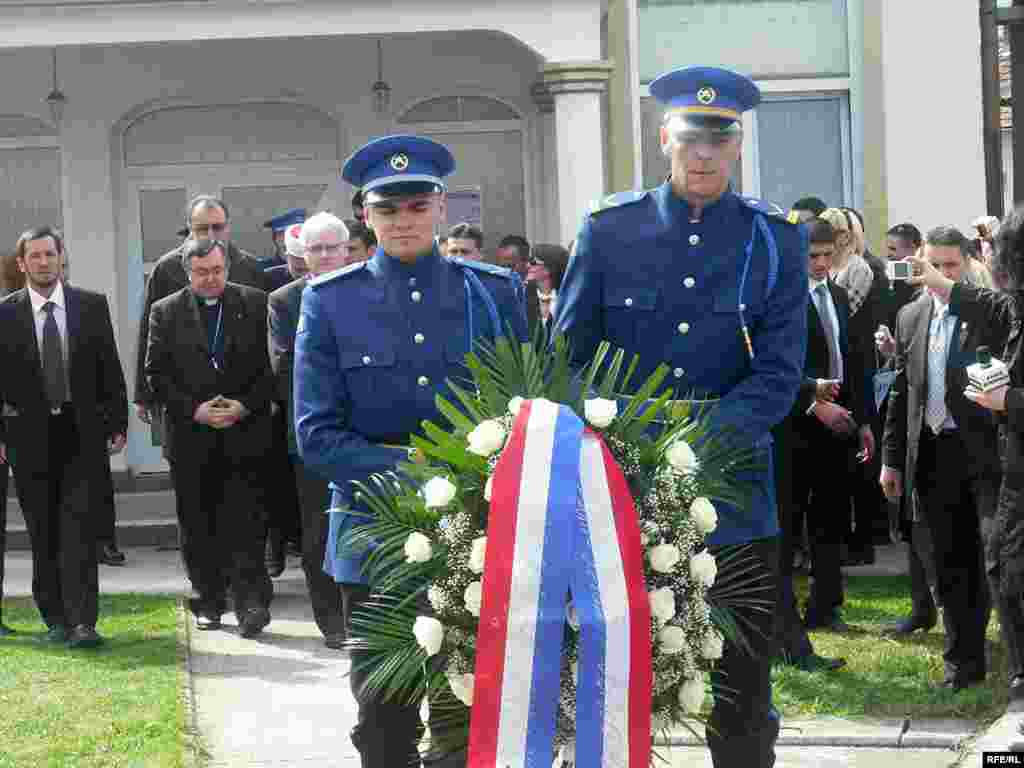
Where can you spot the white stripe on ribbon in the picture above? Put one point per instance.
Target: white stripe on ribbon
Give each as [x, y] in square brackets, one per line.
[611, 579]
[524, 599]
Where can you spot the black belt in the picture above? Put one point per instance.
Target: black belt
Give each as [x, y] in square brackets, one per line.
[62, 410]
[944, 434]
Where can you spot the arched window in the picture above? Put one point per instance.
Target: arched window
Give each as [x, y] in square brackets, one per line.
[458, 109]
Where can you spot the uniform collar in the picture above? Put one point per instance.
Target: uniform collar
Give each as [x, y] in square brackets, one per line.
[678, 209]
[38, 300]
[422, 271]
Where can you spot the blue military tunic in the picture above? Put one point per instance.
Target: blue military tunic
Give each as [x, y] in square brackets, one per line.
[647, 278]
[375, 345]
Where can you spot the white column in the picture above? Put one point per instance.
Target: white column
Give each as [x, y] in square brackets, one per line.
[577, 88]
[934, 157]
[88, 213]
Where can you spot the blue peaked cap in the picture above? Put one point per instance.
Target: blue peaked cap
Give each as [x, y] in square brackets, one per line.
[706, 92]
[281, 222]
[398, 160]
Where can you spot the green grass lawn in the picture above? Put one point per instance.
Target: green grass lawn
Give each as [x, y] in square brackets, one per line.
[886, 677]
[118, 706]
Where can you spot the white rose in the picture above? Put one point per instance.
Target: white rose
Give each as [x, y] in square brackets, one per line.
[438, 492]
[571, 617]
[664, 557]
[429, 634]
[488, 487]
[487, 438]
[663, 604]
[600, 412]
[711, 647]
[704, 516]
[515, 404]
[703, 568]
[473, 596]
[436, 598]
[417, 548]
[477, 555]
[691, 695]
[681, 457]
[462, 686]
[671, 639]
[425, 711]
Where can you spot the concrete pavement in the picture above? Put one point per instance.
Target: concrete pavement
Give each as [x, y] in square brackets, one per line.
[283, 699]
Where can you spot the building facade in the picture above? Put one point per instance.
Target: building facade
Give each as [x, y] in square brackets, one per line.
[543, 102]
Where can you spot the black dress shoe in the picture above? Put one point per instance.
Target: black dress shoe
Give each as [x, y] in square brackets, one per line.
[207, 621]
[57, 633]
[910, 625]
[253, 622]
[6, 631]
[84, 637]
[812, 662]
[960, 682]
[109, 554]
[826, 623]
[335, 642]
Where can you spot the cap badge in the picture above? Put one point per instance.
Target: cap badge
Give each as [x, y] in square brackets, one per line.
[400, 162]
[706, 95]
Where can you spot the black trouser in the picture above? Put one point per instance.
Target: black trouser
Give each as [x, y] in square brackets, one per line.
[223, 530]
[55, 502]
[921, 566]
[387, 732]
[744, 725]
[1007, 596]
[820, 486]
[870, 514]
[790, 634]
[106, 510]
[284, 518]
[324, 592]
[4, 473]
[951, 505]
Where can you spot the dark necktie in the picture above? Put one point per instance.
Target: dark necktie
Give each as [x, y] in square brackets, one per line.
[53, 359]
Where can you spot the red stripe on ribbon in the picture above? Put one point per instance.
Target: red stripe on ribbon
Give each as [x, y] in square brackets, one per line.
[492, 636]
[641, 677]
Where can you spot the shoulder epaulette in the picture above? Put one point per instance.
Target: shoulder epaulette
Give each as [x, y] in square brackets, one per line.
[328, 277]
[481, 266]
[616, 200]
[768, 209]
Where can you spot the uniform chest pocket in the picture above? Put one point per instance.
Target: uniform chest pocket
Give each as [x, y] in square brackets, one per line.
[369, 371]
[629, 312]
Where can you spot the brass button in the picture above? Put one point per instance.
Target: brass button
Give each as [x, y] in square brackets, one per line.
[684, 328]
[689, 282]
[367, 360]
[629, 302]
[694, 239]
[423, 381]
[419, 338]
[678, 373]
[416, 296]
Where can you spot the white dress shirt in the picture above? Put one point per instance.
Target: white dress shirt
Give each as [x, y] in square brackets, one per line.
[61, 316]
[828, 314]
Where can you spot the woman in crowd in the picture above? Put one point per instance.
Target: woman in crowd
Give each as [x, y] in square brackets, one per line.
[865, 281]
[547, 266]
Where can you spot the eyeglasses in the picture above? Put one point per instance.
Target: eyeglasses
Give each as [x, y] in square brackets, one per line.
[203, 274]
[205, 229]
[536, 262]
[328, 248]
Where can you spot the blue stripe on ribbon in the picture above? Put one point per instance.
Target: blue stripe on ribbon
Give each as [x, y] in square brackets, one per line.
[556, 568]
[592, 646]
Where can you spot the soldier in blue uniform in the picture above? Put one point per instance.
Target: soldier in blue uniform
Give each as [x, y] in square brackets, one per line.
[715, 285]
[375, 344]
[277, 227]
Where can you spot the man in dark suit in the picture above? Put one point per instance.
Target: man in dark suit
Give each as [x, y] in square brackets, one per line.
[65, 412]
[207, 218]
[324, 240]
[812, 446]
[287, 265]
[939, 452]
[207, 364]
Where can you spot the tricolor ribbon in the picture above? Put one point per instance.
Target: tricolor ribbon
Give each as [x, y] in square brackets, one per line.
[562, 521]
